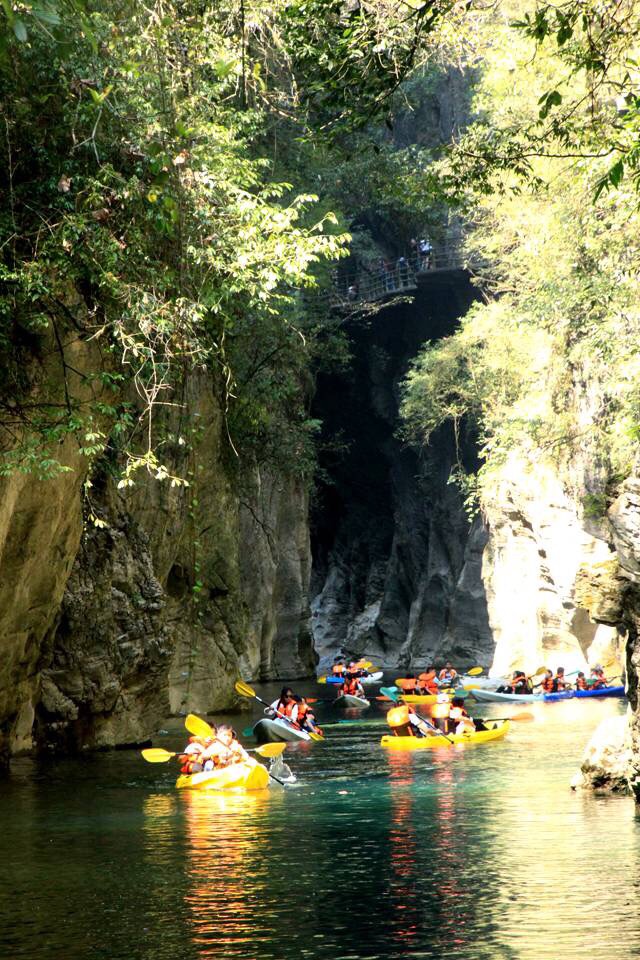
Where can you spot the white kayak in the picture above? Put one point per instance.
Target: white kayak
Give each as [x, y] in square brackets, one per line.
[275, 731]
[490, 696]
[481, 683]
[346, 700]
[372, 678]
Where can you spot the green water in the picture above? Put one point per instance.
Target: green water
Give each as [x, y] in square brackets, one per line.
[475, 852]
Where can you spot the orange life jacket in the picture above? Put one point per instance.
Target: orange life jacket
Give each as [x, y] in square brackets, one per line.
[303, 710]
[408, 684]
[547, 684]
[337, 669]
[428, 681]
[581, 683]
[351, 686]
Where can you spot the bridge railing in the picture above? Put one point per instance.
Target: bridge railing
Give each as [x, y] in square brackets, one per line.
[379, 279]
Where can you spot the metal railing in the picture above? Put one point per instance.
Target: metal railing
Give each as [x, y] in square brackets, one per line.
[380, 279]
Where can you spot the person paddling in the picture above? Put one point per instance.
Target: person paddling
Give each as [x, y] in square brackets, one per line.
[405, 722]
[447, 675]
[338, 667]
[559, 681]
[581, 682]
[547, 682]
[408, 684]
[306, 718]
[351, 686]
[427, 682]
[192, 759]
[597, 680]
[459, 716]
[285, 704]
[440, 712]
[226, 749]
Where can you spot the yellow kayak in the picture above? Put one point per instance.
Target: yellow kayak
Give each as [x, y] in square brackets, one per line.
[237, 776]
[419, 697]
[498, 729]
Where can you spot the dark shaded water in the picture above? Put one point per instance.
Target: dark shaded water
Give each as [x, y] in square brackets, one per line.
[466, 852]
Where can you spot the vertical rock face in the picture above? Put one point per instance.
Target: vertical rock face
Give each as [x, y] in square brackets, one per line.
[537, 549]
[181, 591]
[396, 564]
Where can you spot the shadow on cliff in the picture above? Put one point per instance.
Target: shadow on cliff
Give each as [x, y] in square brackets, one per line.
[396, 564]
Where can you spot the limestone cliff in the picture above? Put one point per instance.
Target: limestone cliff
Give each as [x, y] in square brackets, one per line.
[104, 630]
[539, 546]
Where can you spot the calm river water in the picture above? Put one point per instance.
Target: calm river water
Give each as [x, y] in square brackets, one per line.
[477, 852]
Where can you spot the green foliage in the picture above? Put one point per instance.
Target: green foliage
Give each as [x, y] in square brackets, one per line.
[132, 178]
[547, 367]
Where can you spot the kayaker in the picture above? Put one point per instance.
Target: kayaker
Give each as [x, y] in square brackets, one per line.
[351, 686]
[427, 682]
[192, 758]
[547, 682]
[559, 682]
[306, 718]
[405, 722]
[520, 682]
[597, 680]
[440, 712]
[459, 716]
[581, 682]
[338, 667]
[226, 749]
[285, 705]
[408, 684]
[447, 675]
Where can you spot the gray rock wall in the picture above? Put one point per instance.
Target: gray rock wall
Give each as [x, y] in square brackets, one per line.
[104, 630]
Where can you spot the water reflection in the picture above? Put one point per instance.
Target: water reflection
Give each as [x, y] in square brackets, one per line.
[405, 859]
[227, 869]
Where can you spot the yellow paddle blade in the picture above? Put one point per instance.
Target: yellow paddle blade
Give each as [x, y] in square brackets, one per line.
[198, 727]
[271, 749]
[244, 689]
[157, 755]
[315, 736]
[322, 679]
[523, 717]
[364, 664]
[475, 671]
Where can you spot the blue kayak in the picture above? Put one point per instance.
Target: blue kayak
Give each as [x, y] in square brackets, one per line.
[562, 695]
[601, 692]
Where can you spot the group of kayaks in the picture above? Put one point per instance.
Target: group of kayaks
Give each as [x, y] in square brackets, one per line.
[271, 730]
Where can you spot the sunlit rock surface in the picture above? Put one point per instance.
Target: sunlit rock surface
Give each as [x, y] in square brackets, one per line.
[537, 549]
[624, 516]
[607, 762]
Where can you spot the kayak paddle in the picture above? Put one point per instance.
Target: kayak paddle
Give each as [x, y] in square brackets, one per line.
[475, 671]
[391, 693]
[200, 728]
[158, 755]
[246, 691]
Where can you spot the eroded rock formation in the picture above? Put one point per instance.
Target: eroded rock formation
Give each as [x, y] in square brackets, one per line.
[105, 629]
